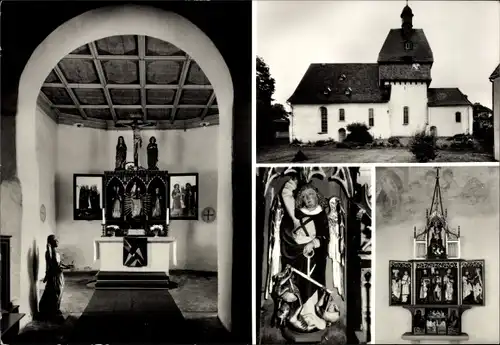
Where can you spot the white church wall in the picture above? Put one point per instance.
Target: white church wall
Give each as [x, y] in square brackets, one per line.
[305, 124]
[496, 116]
[413, 96]
[89, 150]
[443, 118]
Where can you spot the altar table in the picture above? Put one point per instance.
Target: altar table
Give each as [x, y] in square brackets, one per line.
[109, 251]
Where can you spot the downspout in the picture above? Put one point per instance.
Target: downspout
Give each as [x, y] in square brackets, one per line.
[290, 125]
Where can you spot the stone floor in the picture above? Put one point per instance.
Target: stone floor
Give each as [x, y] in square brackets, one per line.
[196, 297]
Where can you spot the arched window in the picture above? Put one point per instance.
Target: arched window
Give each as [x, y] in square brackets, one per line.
[371, 120]
[406, 115]
[341, 115]
[324, 120]
[458, 117]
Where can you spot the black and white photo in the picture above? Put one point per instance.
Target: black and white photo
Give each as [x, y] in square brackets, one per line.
[377, 81]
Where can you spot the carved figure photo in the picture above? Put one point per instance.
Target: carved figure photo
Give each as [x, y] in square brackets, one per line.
[88, 198]
[445, 242]
[311, 288]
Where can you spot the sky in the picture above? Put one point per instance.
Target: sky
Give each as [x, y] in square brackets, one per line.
[464, 37]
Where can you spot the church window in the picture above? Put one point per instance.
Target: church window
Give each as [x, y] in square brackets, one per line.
[408, 45]
[458, 116]
[341, 115]
[324, 120]
[406, 115]
[371, 120]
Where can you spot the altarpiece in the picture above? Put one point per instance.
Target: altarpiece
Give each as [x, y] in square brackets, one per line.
[437, 286]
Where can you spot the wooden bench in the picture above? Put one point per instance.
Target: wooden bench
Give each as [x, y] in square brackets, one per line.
[10, 326]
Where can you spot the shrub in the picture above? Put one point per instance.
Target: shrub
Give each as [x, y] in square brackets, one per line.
[394, 141]
[358, 133]
[343, 145]
[423, 147]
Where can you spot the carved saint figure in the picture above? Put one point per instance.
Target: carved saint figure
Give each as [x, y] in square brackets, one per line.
[405, 287]
[477, 286]
[466, 287]
[117, 203]
[50, 303]
[136, 201]
[304, 246]
[121, 154]
[156, 213]
[424, 287]
[152, 154]
[448, 281]
[436, 248]
[437, 291]
[396, 285]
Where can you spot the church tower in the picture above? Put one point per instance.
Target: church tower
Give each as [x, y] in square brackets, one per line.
[405, 62]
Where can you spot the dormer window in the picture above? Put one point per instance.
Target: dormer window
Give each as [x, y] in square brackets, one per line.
[348, 91]
[342, 77]
[408, 45]
[327, 91]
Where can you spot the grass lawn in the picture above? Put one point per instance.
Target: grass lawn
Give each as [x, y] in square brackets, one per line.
[284, 153]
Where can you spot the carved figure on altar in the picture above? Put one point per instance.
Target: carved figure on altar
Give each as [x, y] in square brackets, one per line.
[466, 286]
[117, 203]
[121, 154]
[305, 244]
[152, 154]
[157, 200]
[477, 286]
[436, 248]
[424, 287]
[448, 281]
[437, 290]
[137, 143]
[136, 201]
[396, 285]
[405, 287]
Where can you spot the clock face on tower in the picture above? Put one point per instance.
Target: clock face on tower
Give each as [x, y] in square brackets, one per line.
[43, 213]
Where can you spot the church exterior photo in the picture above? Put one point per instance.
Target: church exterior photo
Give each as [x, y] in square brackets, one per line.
[392, 97]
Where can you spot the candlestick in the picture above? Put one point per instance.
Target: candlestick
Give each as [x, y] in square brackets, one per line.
[174, 253]
[103, 216]
[168, 216]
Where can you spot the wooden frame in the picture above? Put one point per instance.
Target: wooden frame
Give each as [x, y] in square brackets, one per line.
[468, 271]
[88, 207]
[399, 268]
[180, 207]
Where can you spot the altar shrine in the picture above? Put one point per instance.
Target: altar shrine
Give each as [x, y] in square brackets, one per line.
[135, 221]
[437, 286]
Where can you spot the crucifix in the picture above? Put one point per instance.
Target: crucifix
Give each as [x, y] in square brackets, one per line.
[136, 125]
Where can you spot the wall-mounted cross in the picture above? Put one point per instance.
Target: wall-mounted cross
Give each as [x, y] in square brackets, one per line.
[208, 215]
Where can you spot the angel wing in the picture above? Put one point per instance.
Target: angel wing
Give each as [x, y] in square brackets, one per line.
[274, 251]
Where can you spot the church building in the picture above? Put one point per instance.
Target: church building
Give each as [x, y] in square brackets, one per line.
[392, 97]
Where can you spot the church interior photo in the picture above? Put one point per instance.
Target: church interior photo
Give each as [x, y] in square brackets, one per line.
[118, 166]
[313, 238]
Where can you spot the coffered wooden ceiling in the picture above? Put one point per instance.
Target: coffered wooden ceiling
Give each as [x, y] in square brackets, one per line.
[115, 79]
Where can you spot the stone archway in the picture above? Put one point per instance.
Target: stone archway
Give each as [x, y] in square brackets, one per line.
[94, 25]
[342, 134]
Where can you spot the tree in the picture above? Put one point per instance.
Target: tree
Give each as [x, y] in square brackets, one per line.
[265, 91]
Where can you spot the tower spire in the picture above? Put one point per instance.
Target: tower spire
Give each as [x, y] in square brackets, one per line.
[407, 19]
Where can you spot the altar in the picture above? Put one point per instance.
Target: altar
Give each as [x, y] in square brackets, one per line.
[117, 254]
